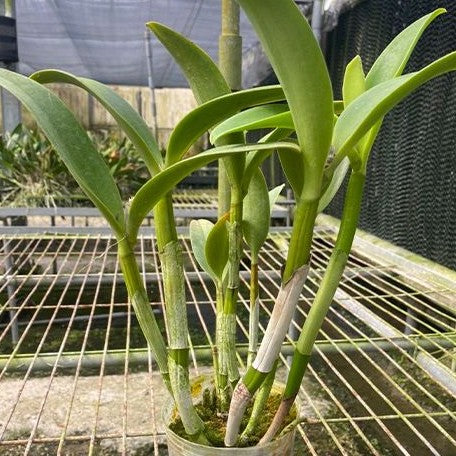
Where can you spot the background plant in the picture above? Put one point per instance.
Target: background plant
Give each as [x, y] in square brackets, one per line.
[33, 174]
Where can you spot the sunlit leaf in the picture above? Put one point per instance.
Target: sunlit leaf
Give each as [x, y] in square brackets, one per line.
[391, 63]
[151, 192]
[301, 71]
[209, 114]
[128, 119]
[354, 81]
[201, 72]
[274, 195]
[206, 82]
[369, 108]
[259, 117]
[72, 144]
[395, 56]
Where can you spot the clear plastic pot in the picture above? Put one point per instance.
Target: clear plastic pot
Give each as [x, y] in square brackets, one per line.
[178, 446]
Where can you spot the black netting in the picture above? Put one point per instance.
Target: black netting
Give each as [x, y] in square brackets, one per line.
[410, 196]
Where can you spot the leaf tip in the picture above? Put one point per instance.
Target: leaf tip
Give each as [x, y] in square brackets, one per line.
[440, 11]
[157, 28]
[38, 75]
[154, 26]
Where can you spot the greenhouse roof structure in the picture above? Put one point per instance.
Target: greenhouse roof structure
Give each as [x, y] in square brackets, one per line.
[105, 39]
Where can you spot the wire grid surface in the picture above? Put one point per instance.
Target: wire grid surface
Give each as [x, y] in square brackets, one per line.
[381, 380]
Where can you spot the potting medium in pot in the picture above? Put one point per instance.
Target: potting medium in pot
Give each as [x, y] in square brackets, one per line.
[179, 446]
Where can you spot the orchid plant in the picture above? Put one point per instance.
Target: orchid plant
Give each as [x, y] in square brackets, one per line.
[318, 139]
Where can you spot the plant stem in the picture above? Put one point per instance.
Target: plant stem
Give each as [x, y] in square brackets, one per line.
[218, 337]
[141, 306]
[230, 64]
[223, 190]
[293, 279]
[294, 275]
[230, 45]
[170, 253]
[323, 299]
[226, 320]
[258, 406]
[301, 237]
[254, 311]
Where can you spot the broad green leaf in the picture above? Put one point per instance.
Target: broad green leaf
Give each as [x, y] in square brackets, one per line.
[127, 118]
[257, 118]
[199, 231]
[256, 213]
[369, 108]
[207, 83]
[334, 185]
[216, 249]
[354, 85]
[255, 158]
[151, 192]
[201, 72]
[72, 143]
[391, 63]
[293, 167]
[274, 195]
[209, 114]
[298, 62]
[395, 56]
[354, 81]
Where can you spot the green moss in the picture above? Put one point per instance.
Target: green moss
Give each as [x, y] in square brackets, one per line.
[216, 424]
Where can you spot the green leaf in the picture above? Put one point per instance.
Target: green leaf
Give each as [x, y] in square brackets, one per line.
[216, 249]
[293, 167]
[151, 192]
[354, 81]
[199, 231]
[127, 118]
[207, 83]
[302, 72]
[391, 63]
[369, 108]
[256, 213]
[255, 158]
[72, 143]
[274, 195]
[354, 85]
[334, 185]
[209, 114]
[395, 56]
[203, 75]
[257, 118]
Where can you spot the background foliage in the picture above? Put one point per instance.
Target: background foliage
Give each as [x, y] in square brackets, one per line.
[33, 174]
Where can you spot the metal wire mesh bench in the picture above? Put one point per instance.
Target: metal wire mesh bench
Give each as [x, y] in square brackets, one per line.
[76, 375]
